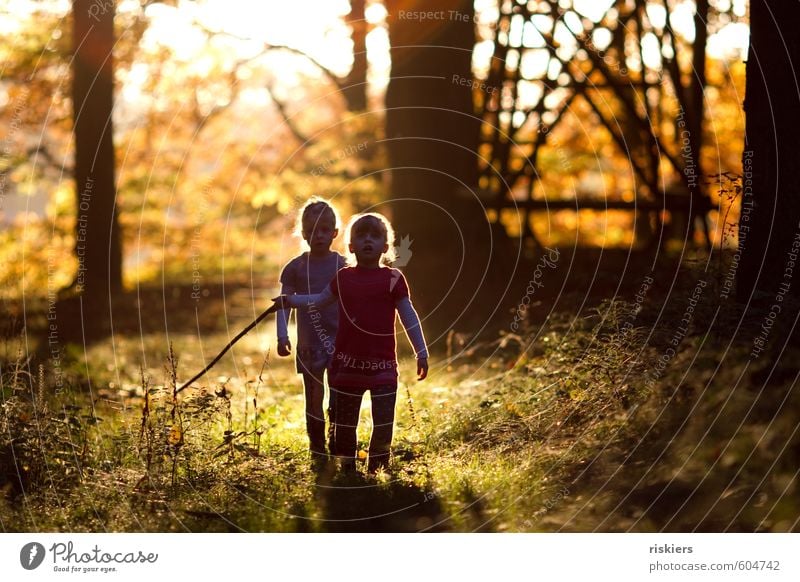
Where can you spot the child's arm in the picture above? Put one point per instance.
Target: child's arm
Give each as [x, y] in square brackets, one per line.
[319, 300]
[410, 321]
[282, 324]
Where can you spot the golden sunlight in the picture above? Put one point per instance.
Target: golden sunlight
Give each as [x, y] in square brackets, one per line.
[243, 28]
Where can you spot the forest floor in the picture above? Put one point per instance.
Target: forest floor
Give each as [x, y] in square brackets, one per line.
[608, 414]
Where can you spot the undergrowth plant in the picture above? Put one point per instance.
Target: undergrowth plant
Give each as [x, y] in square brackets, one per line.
[43, 445]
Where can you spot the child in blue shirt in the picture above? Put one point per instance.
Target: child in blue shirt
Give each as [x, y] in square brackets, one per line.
[308, 274]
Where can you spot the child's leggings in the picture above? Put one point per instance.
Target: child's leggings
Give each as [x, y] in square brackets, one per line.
[315, 418]
[348, 404]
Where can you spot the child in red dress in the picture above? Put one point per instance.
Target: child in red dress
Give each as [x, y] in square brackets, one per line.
[365, 357]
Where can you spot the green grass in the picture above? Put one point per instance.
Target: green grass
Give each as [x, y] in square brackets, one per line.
[569, 433]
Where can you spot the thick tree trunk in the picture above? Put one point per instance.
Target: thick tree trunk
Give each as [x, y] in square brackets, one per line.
[693, 173]
[697, 88]
[98, 237]
[429, 96]
[355, 90]
[770, 212]
[432, 134]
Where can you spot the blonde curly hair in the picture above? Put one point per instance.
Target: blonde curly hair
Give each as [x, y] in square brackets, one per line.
[376, 223]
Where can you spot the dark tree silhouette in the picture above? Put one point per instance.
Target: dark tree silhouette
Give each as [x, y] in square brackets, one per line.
[631, 103]
[770, 204]
[355, 85]
[432, 134]
[430, 117]
[98, 236]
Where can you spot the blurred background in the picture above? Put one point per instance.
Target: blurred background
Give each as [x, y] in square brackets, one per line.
[502, 117]
[566, 181]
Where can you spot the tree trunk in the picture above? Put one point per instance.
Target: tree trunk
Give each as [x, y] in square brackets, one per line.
[432, 134]
[693, 173]
[770, 211]
[98, 236]
[355, 89]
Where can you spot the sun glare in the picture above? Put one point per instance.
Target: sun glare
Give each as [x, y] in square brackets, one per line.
[375, 13]
[314, 27]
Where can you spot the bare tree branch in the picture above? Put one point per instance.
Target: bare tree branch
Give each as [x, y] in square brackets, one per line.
[333, 77]
[288, 120]
[37, 151]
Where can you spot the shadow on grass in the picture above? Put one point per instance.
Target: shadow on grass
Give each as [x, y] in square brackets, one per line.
[357, 503]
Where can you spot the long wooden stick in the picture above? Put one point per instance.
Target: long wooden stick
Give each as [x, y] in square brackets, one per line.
[241, 334]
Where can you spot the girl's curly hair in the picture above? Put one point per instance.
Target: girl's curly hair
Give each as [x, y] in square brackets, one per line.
[370, 221]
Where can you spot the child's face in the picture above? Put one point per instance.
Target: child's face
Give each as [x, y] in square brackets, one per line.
[368, 245]
[319, 232]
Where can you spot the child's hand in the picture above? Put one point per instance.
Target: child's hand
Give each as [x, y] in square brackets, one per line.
[281, 302]
[284, 347]
[422, 368]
